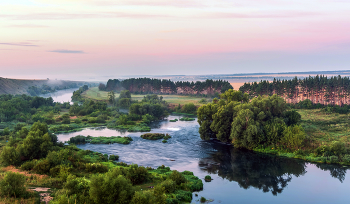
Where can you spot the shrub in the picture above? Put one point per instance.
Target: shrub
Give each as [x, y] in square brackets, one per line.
[184, 196]
[168, 185]
[142, 197]
[137, 174]
[107, 189]
[164, 141]
[207, 178]
[113, 157]
[152, 136]
[96, 168]
[203, 199]
[13, 185]
[337, 148]
[177, 177]
[42, 167]
[293, 136]
[29, 165]
[9, 156]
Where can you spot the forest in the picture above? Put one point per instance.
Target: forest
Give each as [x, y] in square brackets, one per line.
[321, 89]
[163, 86]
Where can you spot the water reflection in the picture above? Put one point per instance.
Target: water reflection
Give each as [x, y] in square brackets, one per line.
[336, 171]
[248, 169]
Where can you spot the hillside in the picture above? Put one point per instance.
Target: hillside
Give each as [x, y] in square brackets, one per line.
[22, 86]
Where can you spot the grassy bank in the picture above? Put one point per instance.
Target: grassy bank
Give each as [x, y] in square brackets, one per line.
[95, 94]
[327, 141]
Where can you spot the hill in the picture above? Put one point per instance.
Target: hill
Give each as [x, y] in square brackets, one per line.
[35, 86]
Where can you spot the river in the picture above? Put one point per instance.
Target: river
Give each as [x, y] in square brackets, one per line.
[238, 176]
[61, 95]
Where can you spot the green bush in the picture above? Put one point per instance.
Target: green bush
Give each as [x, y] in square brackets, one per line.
[168, 185]
[137, 174]
[108, 189]
[95, 168]
[152, 136]
[184, 196]
[113, 157]
[203, 199]
[164, 141]
[42, 166]
[29, 165]
[338, 148]
[13, 185]
[9, 156]
[177, 177]
[207, 178]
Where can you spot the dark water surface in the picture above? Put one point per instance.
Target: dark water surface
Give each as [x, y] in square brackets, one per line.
[239, 176]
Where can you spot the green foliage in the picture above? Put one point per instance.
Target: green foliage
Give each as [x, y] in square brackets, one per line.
[9, 156]
[203, 200]
[164, 141]
[147, 85]
[177, 177]
[13, 185]
[109, 189]
[187, 119]
[153, 136]
[188, 108]
[113, 157]
[293, 136]
[249, 124]
[292, 117]
[183, 196]
[168, 185]
[207, 178]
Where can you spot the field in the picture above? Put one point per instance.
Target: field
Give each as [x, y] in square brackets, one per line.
[324, 128]
[95, 94]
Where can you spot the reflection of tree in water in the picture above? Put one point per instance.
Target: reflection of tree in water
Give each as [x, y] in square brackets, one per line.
[335, 170]
[268, 173]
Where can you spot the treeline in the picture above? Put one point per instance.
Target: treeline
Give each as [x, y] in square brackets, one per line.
[23, 107]
[319, 89]
[77, 94]
[44, 89]
[148, 85]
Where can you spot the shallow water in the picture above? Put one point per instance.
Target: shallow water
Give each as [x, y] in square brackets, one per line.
[61, 95]
[239, 176]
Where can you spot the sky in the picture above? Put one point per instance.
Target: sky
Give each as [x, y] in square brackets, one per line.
[87, 39]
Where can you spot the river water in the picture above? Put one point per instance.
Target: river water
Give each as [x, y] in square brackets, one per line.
[61, 95]
[238, 176]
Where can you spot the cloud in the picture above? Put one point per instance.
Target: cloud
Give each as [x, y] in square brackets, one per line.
[27, 26]
[286, 14]
[68, 51]
[162, 3]
[26, 44]
[64, 16]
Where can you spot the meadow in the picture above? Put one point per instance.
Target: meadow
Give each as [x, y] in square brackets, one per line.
[324, 128]
[95, 94]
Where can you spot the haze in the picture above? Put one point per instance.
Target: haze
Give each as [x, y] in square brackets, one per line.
[88, 39]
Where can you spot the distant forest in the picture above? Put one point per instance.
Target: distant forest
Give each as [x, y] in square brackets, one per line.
[319, 89]
[163, 86]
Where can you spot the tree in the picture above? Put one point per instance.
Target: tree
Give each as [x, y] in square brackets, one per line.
[111, 97]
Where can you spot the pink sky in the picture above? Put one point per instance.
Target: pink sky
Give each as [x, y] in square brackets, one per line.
[79, 39]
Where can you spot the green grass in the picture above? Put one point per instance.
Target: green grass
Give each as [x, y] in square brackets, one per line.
[323, 128]
[95, 94]
[99, 140]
